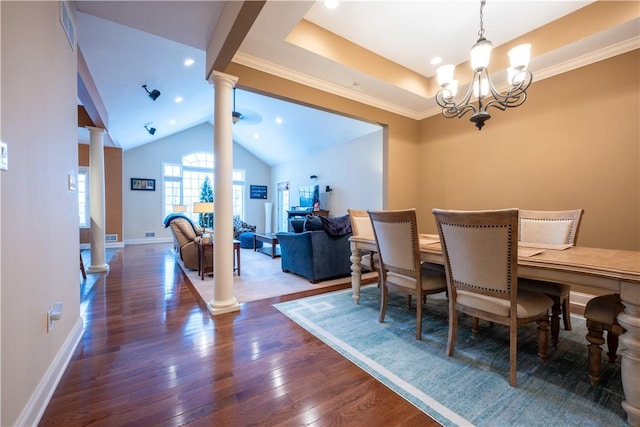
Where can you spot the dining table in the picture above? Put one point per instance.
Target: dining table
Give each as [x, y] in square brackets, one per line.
[611, 270]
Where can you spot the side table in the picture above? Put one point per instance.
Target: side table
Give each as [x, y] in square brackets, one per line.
[203, 248]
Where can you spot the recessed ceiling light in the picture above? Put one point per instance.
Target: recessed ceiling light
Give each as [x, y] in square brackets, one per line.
[256, 135]
[278, 120]
[178, 99]
[331, 4]
[436, 60]
[172, 122]
[188, 62]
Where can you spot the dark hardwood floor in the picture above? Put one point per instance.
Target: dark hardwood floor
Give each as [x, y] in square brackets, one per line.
[152, 356]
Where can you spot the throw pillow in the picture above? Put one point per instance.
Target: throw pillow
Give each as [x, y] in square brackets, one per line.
[336, 226]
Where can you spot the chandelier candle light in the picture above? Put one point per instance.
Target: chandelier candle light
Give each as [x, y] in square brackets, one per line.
[481, 86]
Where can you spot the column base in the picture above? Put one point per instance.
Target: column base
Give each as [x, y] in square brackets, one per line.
[98, 268]
[218, 308]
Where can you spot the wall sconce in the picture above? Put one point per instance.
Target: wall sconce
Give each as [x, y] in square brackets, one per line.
[154, 94]
[150, 130]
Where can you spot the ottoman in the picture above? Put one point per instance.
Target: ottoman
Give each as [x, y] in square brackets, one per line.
[246, 241]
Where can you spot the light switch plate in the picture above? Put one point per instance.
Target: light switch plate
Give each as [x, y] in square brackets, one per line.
[4, 156]
[71, 181]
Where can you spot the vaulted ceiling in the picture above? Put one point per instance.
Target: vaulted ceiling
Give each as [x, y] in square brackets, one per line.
[376, 52]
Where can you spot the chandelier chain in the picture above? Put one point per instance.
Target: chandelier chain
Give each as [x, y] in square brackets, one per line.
[481, 31]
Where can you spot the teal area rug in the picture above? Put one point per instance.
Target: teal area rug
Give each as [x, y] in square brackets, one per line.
[472, 387]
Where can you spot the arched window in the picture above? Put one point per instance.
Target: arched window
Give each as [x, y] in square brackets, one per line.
[183, 183]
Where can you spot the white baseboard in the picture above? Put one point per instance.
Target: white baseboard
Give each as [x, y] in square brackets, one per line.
[35, 407]
[106, 245]
[148, 241]
[580, 299]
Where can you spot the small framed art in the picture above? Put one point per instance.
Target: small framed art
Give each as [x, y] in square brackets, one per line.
[143, 184]
[258, 192]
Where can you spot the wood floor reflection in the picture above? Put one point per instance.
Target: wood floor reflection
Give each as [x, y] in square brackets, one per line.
[150, 355]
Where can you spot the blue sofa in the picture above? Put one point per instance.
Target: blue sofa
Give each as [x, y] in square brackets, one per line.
[315, 254]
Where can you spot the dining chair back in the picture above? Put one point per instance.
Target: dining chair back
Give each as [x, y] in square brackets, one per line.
[480, 251]
[397, 240]
[551, 228]
[360, 223]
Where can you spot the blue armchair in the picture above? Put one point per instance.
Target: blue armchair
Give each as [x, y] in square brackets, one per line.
[315, 255]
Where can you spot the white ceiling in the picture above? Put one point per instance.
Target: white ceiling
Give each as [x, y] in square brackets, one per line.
[128, 44]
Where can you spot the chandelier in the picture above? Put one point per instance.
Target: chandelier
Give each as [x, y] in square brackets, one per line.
[481, 86]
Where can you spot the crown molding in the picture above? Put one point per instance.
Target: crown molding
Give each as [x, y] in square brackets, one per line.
[307, 80]
[354, 95]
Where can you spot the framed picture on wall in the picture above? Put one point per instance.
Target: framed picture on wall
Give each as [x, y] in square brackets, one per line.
[258, 192]
[143, 184]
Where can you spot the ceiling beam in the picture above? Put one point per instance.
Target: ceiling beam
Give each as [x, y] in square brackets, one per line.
[89, 95]
[231, 29]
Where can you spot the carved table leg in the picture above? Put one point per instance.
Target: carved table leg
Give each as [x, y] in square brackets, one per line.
[629, 341]
[356, 272]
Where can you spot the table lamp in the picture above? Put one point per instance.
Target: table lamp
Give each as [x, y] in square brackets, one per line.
[205, 209]
[179, 208]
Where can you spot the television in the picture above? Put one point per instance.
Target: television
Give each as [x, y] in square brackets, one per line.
[309, 196]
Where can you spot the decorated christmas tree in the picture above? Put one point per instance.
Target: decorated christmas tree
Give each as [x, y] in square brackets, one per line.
[206, 195]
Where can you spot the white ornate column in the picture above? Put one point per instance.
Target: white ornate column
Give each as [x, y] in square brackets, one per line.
[96, 202]
[223, 299]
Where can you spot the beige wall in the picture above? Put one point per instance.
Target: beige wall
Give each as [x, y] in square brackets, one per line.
[573, 144]
[39, 213]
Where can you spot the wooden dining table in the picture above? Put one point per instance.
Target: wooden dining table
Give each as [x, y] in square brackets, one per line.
[612, 270]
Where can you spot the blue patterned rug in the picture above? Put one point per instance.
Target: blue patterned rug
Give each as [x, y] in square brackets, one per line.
[472, 387]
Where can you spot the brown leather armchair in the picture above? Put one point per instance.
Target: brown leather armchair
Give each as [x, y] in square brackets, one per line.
[186, 236]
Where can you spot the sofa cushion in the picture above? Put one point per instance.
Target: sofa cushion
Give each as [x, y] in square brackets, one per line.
[313, 223]
[336, 226]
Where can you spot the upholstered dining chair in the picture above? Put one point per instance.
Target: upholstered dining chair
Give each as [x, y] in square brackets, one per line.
[551, 228]
[601, 313]
[396, 234]
[480, 251]
[361, 226]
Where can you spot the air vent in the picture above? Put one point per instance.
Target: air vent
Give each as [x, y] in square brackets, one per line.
[150, 234]
[110, 237]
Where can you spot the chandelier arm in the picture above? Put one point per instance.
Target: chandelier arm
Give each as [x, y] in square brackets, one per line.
[516, 95]
[450, 108]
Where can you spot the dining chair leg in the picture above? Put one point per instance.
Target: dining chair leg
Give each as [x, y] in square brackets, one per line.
[453, 330]
[418, 316]
[82, 270]
[612, 344]
[475, 328]
[513, 355]
[596, 339]
[566, 314]
[543, 337]
[383, 303]
[555, 321]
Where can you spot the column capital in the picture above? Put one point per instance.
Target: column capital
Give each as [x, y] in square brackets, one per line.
[95, 130]
[218, 78]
